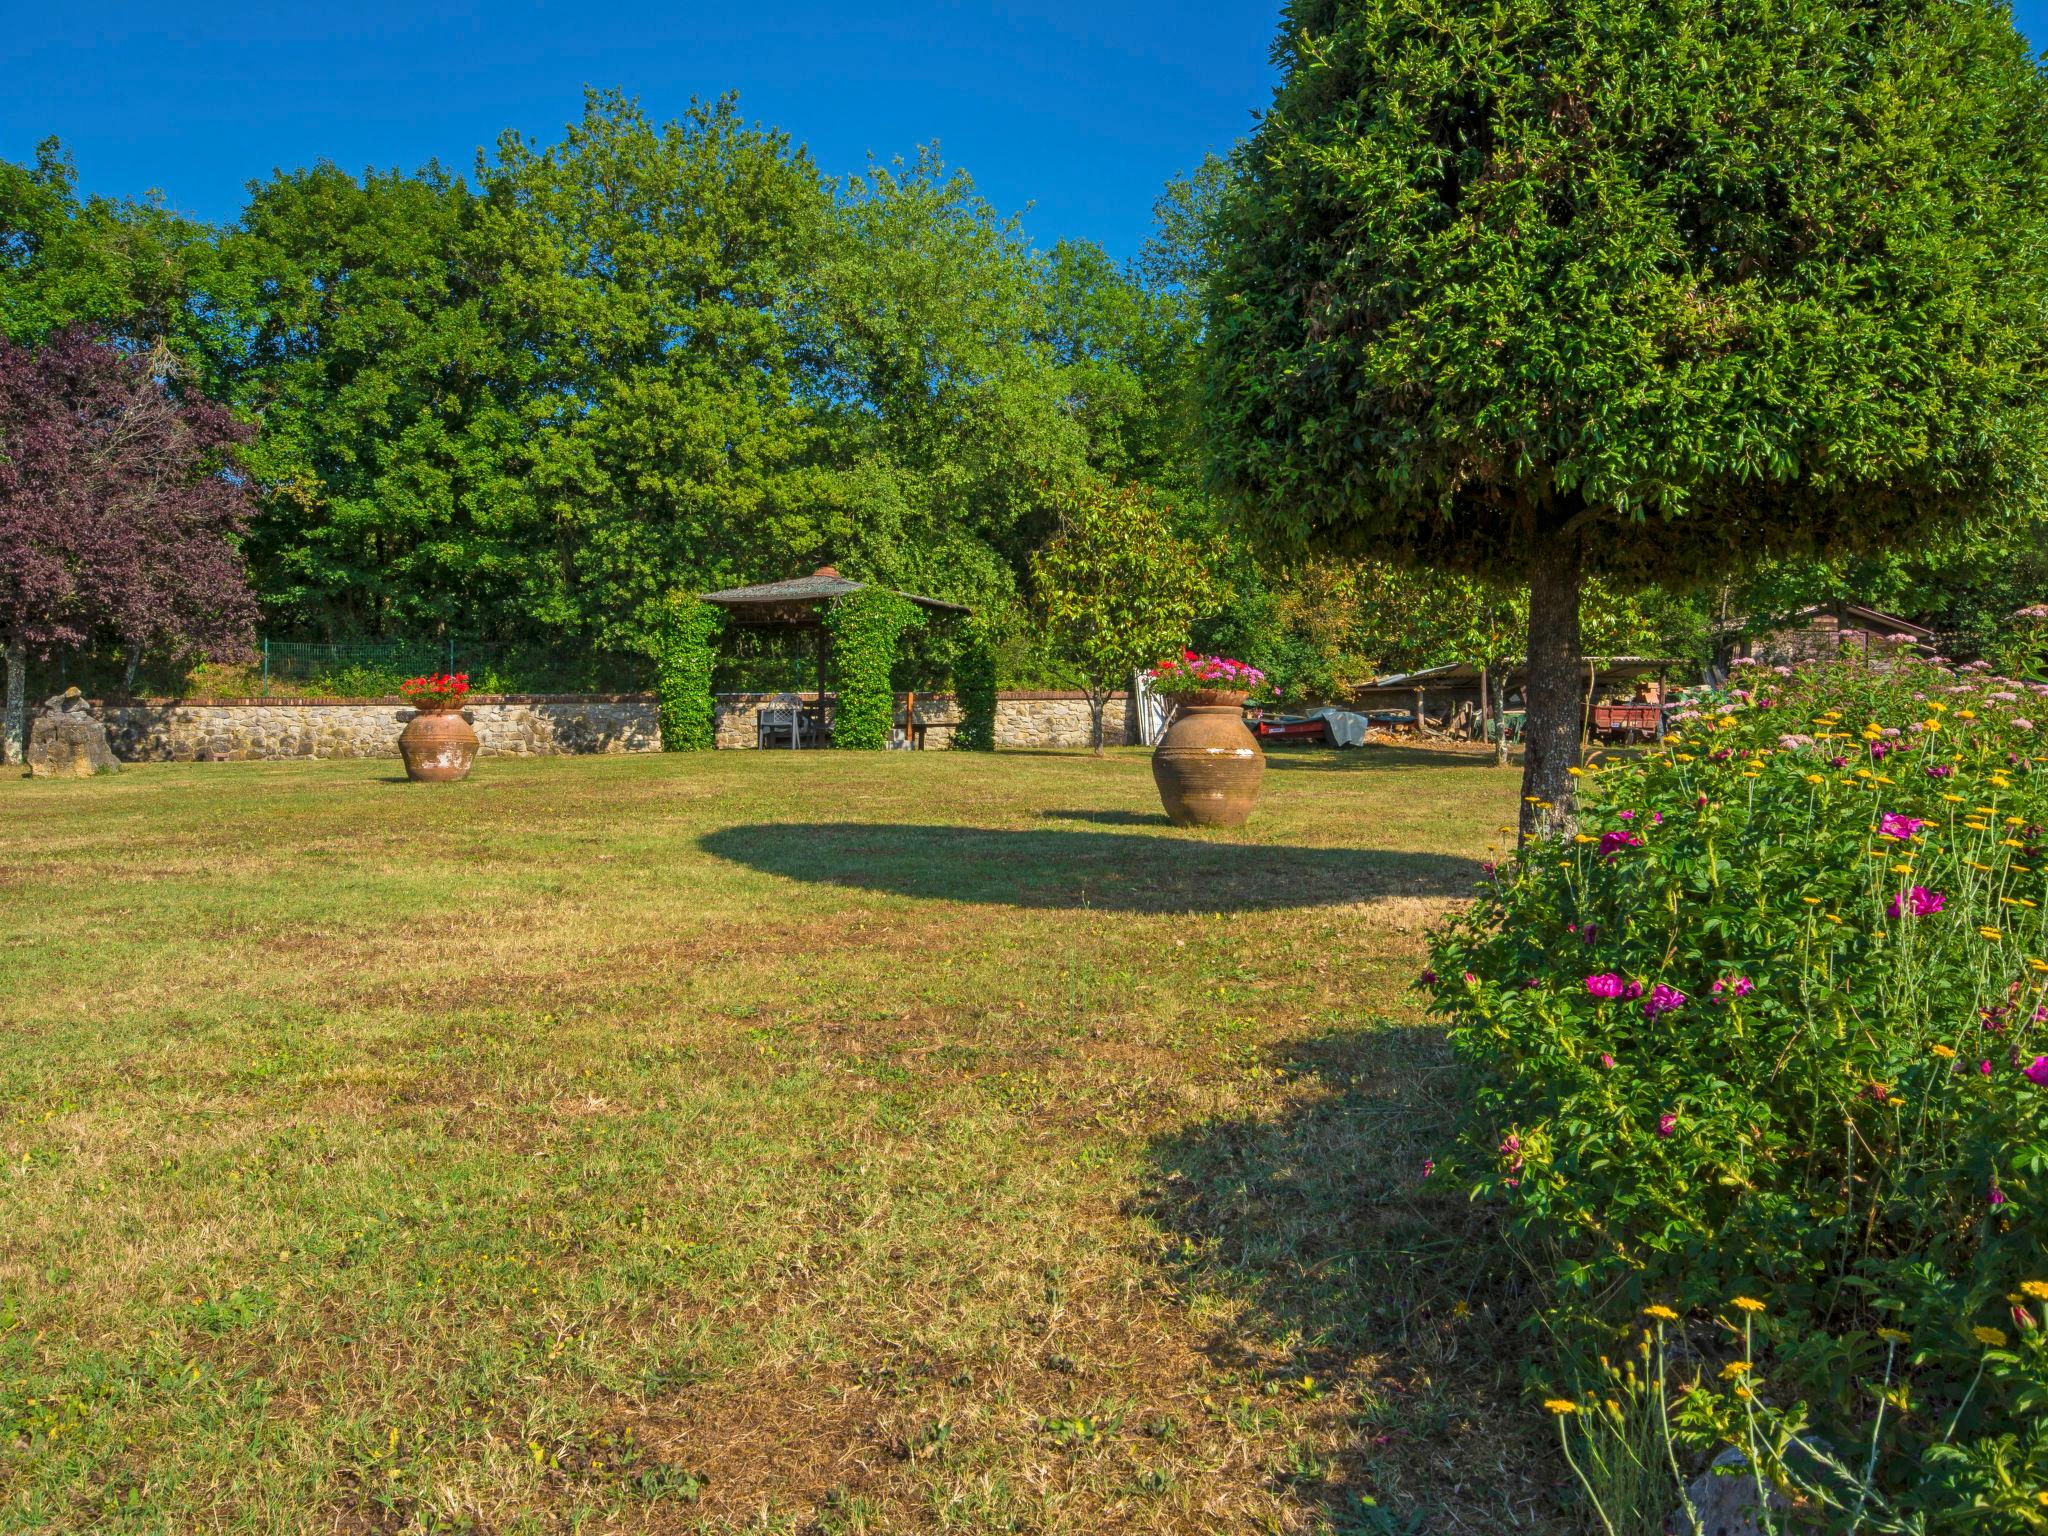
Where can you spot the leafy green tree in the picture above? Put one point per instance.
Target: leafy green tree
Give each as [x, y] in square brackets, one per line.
[394, 419]
[1117, 589]
[132, 270]
[1547, 292]
[646, 270]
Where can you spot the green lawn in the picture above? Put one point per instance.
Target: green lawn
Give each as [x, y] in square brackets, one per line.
[752, 1141]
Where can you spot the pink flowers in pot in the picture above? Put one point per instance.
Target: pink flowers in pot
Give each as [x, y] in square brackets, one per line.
[1918, 900]
[1191, 673]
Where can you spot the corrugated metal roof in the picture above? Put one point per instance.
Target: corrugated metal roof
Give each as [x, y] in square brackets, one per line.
[820, 586]
[1464, 672]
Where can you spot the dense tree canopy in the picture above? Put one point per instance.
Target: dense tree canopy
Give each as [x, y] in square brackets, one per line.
[524, 403]
[1642, 289]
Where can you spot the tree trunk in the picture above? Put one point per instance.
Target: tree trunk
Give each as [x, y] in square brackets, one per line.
[1550, 742]
[1098, 702]
[1485, 702]
[14, 721]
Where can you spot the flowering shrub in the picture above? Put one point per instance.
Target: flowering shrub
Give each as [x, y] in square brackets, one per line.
[1190, 673]
[1771, 1022]
[439, 690]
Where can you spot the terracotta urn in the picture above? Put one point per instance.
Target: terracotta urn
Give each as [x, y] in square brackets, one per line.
[1208, 766]
[438, 745]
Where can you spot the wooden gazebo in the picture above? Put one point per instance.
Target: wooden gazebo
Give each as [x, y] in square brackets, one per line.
[799, 604]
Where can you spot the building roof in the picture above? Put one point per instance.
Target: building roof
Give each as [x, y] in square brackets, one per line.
[798, 600]
[1874, 618]
[1460, 673]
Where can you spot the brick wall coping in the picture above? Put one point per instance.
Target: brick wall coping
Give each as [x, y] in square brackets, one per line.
[385, 701]
[393, 701]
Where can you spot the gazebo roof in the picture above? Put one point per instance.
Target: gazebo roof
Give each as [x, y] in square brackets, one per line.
[796, 603]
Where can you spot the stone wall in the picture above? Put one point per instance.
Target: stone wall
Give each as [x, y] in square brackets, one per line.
[508, 725]
[1023, 719]
[529, 725]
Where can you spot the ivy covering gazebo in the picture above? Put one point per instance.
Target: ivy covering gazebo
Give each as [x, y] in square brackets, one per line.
[855, 622]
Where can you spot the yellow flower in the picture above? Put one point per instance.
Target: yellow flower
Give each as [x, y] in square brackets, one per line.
[1989, 933]
[2038, 1289]
[2008, 842]
[1811, 901]
[1681, 757]
[1893, 1336]
[1664, 1314]
[1902, 869]
[1814, 778]
[1749, 1304]
[1743, 1393]
[1993, 1337]
[1576, 772]
[2015, 821]
[1953, 799]
[1734, 1369]
[1583, 837]
[1832, 918]
[1945, 1052]
[1966, 714]
[1986, 810]
[1560, 1405]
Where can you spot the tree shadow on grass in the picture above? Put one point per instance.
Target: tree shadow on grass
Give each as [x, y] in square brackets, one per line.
[1077, 869]
[1315, 1232]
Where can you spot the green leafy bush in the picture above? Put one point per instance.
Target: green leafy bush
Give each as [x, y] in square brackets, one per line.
[974, 686]
[1769, 1024]
[683, 657]
[865, 627]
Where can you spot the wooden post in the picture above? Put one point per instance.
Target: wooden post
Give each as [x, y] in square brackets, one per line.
[821, 688]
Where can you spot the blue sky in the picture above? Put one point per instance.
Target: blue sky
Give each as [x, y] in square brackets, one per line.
[1080, 110]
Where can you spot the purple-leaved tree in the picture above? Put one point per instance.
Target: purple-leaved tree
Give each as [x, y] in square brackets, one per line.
[120, 512]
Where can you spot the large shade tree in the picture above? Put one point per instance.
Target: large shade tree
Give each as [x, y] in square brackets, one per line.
[119, 516]
[1545, 291]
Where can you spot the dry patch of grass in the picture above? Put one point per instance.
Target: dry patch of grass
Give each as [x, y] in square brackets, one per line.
[748, 1142]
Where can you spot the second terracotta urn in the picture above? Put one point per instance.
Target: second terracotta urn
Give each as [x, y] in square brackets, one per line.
[1208, 766]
